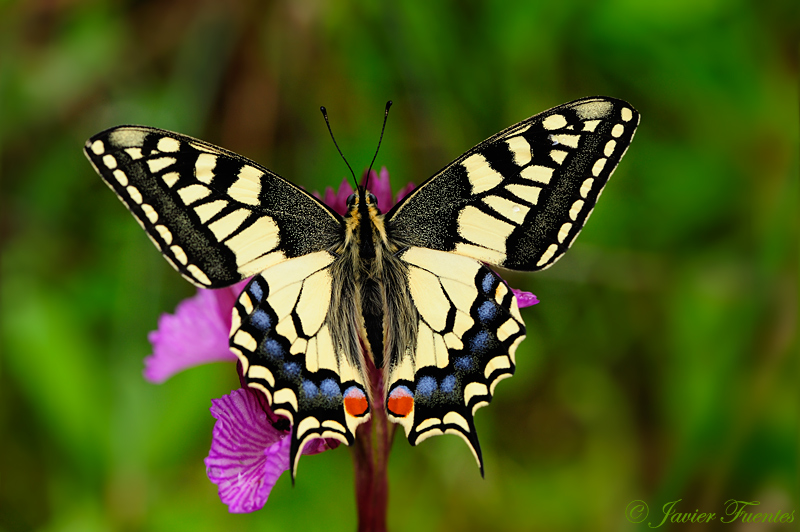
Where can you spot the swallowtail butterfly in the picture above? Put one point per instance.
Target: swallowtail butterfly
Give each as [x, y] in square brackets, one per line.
[409, 289]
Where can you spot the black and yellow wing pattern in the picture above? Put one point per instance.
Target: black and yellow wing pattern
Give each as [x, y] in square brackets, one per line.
[468, 328]
[516, 201]
[519, 199]
[216, 216]
[284, 336]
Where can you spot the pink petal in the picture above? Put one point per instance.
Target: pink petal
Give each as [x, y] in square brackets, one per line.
[317, 446]
[337, 200]
[196, 334]
[380, 187]
[340, 200]
[329, 198]
[525, 299]
[379, 184]
[248, 454]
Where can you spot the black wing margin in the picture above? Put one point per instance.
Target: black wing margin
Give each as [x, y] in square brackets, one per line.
[216, 216]
[520, 198]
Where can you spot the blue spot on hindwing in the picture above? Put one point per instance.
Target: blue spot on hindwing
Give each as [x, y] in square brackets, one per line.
[330, 389]
[353, 391]
[463, 363]
[273, 348]
[488, 283]
[260, 319]
[255, 290]
[293, 370]
[480, 342]
[487, 311]
[448, 384]
[426, 386]
[402, 390]
[310, 389]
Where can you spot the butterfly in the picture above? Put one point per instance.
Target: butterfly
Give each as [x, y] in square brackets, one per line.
[409, 290]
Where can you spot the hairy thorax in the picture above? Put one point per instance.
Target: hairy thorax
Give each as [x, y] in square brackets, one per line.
[372, 298]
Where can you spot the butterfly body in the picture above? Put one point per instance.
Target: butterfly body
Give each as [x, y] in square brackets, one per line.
[408, 292]
[377, 273]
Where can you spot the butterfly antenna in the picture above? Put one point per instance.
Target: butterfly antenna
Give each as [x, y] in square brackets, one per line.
[385, 117]
[325, 114]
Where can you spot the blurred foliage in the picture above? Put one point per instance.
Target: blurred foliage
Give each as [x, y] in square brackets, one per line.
[660, 365]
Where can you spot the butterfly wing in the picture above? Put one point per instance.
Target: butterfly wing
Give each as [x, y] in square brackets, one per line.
[520, 198]
[285, 335]
[216, 217]
[468, 328]
[516, 200]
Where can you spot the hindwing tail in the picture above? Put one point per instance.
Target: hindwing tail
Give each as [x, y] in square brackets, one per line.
[281, 333]
[468, 330]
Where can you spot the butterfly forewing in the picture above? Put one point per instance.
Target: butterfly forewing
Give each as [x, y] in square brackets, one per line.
[520, 198]
[217, 217]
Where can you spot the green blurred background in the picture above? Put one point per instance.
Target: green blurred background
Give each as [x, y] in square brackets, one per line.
[660, 365]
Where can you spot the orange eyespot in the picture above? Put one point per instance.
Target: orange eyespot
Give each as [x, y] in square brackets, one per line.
[400, 402]
[355, 402]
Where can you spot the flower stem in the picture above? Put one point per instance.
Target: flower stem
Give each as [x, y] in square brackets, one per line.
[370, 459]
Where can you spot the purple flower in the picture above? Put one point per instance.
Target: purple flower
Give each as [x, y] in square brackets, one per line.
[525, 299]
[196, 334]
[378, 185]
[248, 452]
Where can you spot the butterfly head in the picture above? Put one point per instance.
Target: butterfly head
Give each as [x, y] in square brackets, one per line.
[363, 202]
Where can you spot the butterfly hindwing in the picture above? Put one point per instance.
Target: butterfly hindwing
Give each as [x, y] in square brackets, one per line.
[468, 330]
[216, 216]
[520, 198]
[282, 334]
